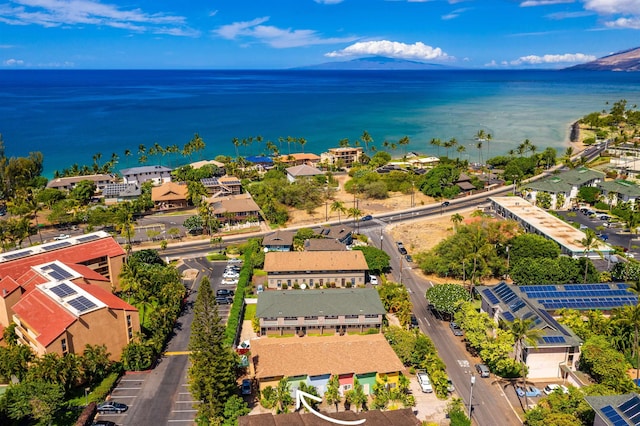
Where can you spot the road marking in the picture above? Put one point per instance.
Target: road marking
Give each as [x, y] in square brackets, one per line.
[463, 363]
[184, 411]
[181, 421]
[175, 353]
[130, 380]
[127, 396]
[119, 388]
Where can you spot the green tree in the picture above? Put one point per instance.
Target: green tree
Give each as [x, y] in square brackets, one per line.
[356, 396]
[447, 298]
[589, 242]
[95, 363]
[283, 396]
[332, 394]
[83, 191]
[377, 260]
[212, 374]
[193, 224]
[457, 219]
[234, 407]
[532, 246]
[36, 400]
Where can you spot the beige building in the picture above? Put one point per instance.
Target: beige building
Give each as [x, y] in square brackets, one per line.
[62, 317]
[345, 155]
[315, 269]
[68, 183]
[169, 195]
[234, 208]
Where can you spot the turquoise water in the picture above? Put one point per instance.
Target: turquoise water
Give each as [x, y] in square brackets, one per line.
[72, 115]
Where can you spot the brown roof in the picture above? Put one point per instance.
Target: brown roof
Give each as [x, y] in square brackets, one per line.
[303, 170]
[279, 238]
[316, 355]
[169, 191]
[234, 204]
[300, 156]
[324, 244]
[401, 417]
[287, 261]
[64, 181]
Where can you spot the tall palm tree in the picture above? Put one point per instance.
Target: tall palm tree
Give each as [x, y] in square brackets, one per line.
[367, 139]
[589, 242]
[488, 137]
[630, 316]
[356, 214]
[457, 219]
[523, 334]
[404, 141]
[479, 146]
[338, 206]
[434, 142]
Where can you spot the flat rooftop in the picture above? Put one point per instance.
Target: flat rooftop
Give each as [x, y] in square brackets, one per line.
[545, 224]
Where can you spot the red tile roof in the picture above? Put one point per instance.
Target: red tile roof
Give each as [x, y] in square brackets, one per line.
[44, 316]
[74, 254]
[7, 286]
[30, 279]
[109, 299]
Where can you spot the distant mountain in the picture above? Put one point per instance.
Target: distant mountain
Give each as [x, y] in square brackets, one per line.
[376, 63]
[627, 60]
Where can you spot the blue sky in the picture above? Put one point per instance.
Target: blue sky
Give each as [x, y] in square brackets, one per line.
[267, 34]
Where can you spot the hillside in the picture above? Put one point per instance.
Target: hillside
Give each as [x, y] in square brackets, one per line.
[627, 60]
[376, 63]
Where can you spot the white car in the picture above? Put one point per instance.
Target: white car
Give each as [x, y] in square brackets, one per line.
[549, 389]
[425, 383]
[61, 237]
[373, 280]
[230, 275]
[234, 260]
[229, 281]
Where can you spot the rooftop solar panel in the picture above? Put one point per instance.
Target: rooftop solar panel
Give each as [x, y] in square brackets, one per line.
[517, 306]
[86, 238]
[612, 415]
[553, 339]
[17, 255]
[82, 304]
[623, 286]
[631, 408]
[492, 297]
[55, 271]
[55, 246]
[62, 290]
[508, 316]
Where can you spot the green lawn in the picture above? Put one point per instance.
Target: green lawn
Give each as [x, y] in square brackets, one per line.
[250, 311]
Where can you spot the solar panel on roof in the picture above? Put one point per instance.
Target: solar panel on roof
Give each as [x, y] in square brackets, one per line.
[62, 290]
[553, 339]
[82, 304]
[57, 272]
[517, 306]
[86, 238]
[612, 415]
[508, 316]
[489, 294]
[631, 408]
[17, 255]
[55, 246]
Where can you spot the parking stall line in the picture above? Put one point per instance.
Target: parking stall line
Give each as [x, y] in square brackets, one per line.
[181, 421]
[184, 411]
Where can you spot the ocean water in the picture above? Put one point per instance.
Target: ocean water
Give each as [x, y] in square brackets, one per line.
[71, 115]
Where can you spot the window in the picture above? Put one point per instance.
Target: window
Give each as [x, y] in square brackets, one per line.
[128, 320]
[346, 387]
[64, 346]
[311, 318]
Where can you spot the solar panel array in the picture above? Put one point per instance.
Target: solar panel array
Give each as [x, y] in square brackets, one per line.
[82, 304]
[553, 339]
[588, 303]
[17, 255]
[86, 238]
[613, 416]
[492, 297]
[518, 305]
[508, 316]
[56, 246]
[505, 293]
[57, 272]
[631, 410]
[62, 290]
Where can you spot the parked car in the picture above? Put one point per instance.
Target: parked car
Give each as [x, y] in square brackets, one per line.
[414, 322]
[367, 217]
[401, 249]
[373, 280]
[224, 292]
[103, 423]
[61, 237]
[246, 387]
[260, 288]
[445, 204]
[455, 329]
[603, 237]
[529, 391]
[229, 281]
[408, 258]
[549, 389]
[450, 387]
[234, 260]
[112, 407]
[230, 275]
[425, 383]
[224, 300]
[483, 370]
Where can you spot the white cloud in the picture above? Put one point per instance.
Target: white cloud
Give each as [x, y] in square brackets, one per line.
[274, 36]
[391, 49]
[454, 14]
[630, 23]
[6, 46]
[328, 1]
[532, 3]
[491, 64]
[553, 59]
[13, 62]
[569, 15]
[612, 7]
[56, 13]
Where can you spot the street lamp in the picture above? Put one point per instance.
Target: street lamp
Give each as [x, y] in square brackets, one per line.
[473, 381]
[86, 395]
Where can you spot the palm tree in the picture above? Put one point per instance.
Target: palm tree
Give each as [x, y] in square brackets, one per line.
[479, 146]
[356, 214]
[338, 206]
[367, 139]
[457, 219]
[589, 242]
[523, 333]
[488, 138]
[332, 395]
[630, 316]
[435, 142]
[343, 143]
[460, 149]
[404, 141]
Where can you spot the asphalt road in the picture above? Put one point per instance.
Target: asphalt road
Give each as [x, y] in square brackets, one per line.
[490, 404]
